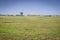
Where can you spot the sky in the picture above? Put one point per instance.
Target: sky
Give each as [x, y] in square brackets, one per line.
[30, 7]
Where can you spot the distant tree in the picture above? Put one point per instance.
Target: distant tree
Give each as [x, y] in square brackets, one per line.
[11, 15]
[49, 15]
[17, 15]
[21, 13]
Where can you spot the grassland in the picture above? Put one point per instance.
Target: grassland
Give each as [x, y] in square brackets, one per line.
[29, 28]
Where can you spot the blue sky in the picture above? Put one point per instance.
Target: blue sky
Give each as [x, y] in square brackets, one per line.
[35, 7]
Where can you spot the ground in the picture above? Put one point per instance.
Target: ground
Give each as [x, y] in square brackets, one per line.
[29, 28]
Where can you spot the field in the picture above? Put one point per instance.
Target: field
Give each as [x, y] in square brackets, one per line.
[29, 28]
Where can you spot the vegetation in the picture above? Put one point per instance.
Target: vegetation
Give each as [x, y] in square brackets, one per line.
[29, 28]
[21, 13]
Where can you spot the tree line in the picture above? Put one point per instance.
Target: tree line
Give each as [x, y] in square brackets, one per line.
[21, 14]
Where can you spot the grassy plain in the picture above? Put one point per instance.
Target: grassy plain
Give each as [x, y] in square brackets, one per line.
[29, 28]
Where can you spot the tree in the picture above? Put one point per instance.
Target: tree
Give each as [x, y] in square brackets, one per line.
[21, 13]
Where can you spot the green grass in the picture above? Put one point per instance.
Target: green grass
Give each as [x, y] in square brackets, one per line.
[29, 28]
